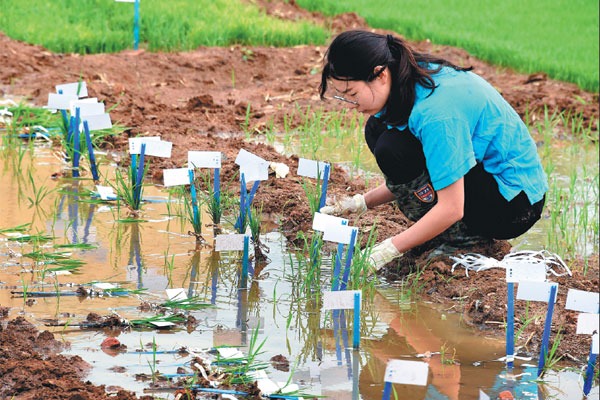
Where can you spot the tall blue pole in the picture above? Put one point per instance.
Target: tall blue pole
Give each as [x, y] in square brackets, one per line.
[547, 326]
[136, 24]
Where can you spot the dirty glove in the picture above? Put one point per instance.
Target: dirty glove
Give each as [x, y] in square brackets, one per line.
[382, 254]
[347, 205]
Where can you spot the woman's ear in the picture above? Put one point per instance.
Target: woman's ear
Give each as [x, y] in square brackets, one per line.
[381, 72]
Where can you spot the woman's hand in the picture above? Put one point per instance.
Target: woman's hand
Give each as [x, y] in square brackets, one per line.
[346, 205]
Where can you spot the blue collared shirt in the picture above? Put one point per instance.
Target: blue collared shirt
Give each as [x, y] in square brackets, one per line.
[466, 121]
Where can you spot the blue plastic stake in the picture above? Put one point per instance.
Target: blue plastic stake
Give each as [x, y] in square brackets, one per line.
[356, 324]
[136, 24]
[589, 373]
[194, 199]
[88, 141]
[510, 325]
[387, 391]
[140, 175]
[324, 186]
[348, 264]
[243, 193]
[76, 150]
[217, 189]
[547, 326]
[244, 280]
[335, 284]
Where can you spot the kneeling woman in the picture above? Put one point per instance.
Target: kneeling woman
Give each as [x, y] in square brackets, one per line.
[456, 156]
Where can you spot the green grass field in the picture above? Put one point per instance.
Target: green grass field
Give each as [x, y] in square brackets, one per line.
[559, 37]
[94, 26]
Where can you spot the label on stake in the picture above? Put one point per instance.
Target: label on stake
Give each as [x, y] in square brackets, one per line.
[325, 222]
[176, 176]
[204, 159]
[587, 324]
[97, 122]
[87, 107]
[535, 291]
[339, 234]
[60, 101]
[522, 271]
[254, 172]
[135, 144]
[580, 300]
[78, 89]
[407, 372]
[339, 299]
[245, 157]
[311, 168]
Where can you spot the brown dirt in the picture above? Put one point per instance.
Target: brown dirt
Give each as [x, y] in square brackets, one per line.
[191, 99]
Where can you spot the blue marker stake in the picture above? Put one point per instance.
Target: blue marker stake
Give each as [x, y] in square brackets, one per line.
[356, 324]
[510, 325]
[194, 199]
[217, 188]
[76, 150]
[336, 336]
[348, 265]
[244, 281]
[324, 186]
[136, 24]
[138, 180]
[387, 391]
[88, 140]
[337, 267]
[64, 115]
[589, 373]
[243, 193]
[547, 325]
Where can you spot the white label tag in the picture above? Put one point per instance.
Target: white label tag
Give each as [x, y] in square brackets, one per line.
[407, 372]
[311, 168]
[536, 291]
[245, 157]
[162, 324]
[159, 149]
[587, 324]
[106, 192]
[135, 144]
[60, 101]
[230, 352]
[594, 343]
[483, 396]
[103, 285]
[176, 176]
[339, 234]
[78, 89]
[325, 222]
[86, 107]
[176, 294]
[97, 122]
[254, 172]
[522, 271]
[204, 159]
[340, 299]
[580, 300]
[232, 242]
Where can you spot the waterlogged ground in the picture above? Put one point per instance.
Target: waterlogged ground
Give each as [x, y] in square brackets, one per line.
[158, 254]
[193, 100]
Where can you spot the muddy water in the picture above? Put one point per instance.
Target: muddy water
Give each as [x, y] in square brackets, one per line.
[158, 254]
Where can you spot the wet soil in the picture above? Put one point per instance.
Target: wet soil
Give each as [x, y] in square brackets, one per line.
[202, 100]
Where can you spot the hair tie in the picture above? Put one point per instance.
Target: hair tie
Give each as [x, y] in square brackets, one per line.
[390, 40]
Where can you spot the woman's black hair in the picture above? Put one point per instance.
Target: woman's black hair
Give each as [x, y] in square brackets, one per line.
[353, 56]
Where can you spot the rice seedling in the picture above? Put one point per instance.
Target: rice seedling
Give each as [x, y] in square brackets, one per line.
[213, 201]
[552, 357]
[39, 193]
[446, 357]
[129, 187]
[189, 304]
[150, 321]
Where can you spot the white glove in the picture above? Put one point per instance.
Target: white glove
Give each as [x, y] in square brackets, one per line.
[347, 205]
[383, 253]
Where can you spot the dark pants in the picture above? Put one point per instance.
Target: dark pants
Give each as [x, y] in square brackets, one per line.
[487, 213]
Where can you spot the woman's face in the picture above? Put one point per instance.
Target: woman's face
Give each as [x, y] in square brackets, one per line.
[366, 97]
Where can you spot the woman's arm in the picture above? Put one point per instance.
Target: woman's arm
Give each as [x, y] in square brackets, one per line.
[380, 195]
[448, 210]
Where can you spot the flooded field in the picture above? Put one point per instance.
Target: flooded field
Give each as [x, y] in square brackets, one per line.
[303, 344]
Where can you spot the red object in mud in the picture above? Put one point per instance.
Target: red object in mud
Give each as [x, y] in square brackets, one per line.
[506, 395]
[110, 343]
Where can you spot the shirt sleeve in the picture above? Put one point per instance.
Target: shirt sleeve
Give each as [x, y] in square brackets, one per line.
[448, 150]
